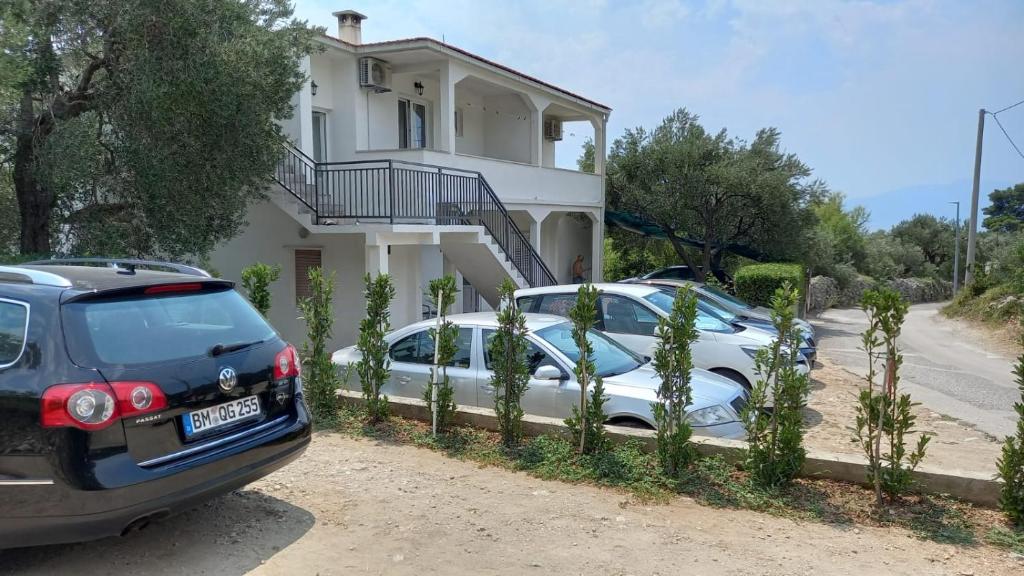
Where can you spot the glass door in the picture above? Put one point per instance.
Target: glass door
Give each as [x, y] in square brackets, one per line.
[320, 136]
[412, 124]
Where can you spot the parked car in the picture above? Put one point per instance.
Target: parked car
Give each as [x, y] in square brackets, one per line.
[734, 310]
[681, 272]
[629, 314]
[630, 383]
[130, 394]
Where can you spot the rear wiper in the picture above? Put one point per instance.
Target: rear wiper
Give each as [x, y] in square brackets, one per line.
[218, 349]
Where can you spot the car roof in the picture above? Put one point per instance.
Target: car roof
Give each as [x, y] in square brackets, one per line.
[667, 282]
[534, 322]
[636, 290]
[102, 278]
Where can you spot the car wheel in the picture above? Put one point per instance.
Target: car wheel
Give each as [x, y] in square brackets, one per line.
[628, 422]
[734, 376]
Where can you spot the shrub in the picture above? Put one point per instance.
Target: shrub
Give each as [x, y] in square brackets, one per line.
[438, 395]
[673, 361]
[883, 415]
[511, 373]
[319, 377]
[757, 283]
[587, 421]
[1011, 465]
[374, 368]
[256, 281]
[775, 437]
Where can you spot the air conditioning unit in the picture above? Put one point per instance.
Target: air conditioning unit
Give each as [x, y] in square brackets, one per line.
[375, 74]
[553, 130]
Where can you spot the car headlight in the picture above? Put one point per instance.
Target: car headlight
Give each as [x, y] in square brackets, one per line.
[709, 416]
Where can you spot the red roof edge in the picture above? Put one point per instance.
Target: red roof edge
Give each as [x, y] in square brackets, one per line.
[474, 57]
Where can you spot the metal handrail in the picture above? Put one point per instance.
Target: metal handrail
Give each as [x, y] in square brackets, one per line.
[395, 190]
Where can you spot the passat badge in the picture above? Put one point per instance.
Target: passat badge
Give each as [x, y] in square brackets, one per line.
[228, 378]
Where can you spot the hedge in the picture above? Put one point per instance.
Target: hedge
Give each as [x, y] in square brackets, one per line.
[757, 282]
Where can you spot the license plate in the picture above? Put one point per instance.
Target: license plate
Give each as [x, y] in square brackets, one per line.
[220, 415]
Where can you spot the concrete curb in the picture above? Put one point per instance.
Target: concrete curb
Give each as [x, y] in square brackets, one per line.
[974, 487]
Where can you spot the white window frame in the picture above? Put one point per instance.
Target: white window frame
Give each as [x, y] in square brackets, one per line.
[410, 101]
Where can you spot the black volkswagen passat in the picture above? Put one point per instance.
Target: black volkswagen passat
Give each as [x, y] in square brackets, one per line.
[128, 394]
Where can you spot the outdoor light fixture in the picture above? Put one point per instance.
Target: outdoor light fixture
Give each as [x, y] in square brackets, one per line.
[313, 87]
[419, 88]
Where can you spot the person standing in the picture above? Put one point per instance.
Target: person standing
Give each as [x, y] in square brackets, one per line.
[578, 270]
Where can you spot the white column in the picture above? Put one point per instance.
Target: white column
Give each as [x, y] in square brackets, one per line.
[376, 259]
[304, 112]
[597, 247]
[446, 130]
[450, 270]
[537, 106]
[600, 128]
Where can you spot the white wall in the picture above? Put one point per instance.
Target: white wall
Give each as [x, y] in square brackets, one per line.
[382, 130]
[271, 237]
[507, 128]
[472, 106]
[571, 238]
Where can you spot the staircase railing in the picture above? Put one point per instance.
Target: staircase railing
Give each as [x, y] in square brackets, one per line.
[401, 192]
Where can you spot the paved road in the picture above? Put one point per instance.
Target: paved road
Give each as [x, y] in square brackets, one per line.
[946, 366]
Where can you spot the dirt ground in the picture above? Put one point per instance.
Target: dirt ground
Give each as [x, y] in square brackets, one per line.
[353, 506]
[831, 413]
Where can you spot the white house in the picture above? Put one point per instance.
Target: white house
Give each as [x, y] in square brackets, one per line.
[417, 158]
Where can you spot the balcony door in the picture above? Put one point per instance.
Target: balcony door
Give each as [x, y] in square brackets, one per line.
[320, 136]
[412, 124]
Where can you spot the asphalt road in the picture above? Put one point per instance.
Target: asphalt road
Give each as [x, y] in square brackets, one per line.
[947, 366]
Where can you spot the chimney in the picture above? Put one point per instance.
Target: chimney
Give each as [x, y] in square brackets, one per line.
[350, 25]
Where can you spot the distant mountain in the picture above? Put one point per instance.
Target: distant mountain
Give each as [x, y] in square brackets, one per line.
[889, 208]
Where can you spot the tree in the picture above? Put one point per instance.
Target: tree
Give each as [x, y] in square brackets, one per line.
[712, 189]
[439, 395]
[1011, 464]
[775, 437]
[842, 230]
[587, 421]
[374, 366]
[673, 361]
[883, 414]
[320, 379]
[510, 370]
[256, 281]
[585, 162]
[934, 236]
[138, 127]
[1005, 213]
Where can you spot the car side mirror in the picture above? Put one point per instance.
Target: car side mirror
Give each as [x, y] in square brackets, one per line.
[647, 359]
[548, 372]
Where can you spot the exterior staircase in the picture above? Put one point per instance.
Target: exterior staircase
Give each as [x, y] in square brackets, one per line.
[484, 242]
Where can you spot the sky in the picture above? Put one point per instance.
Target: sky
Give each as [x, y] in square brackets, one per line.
[880, 98]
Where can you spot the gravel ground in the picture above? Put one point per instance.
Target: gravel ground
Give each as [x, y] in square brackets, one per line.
[353, 506]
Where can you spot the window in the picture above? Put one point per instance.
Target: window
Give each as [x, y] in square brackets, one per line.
[418, 348]
[525, 303]
[13, 329]
[305, 260]
[159, 329]
[623, 316]
[319, 137]
[460, 119]
[709, 318]
[557, 304]
[610, 358]
[535, 356]
[672, 273]
[412, 124]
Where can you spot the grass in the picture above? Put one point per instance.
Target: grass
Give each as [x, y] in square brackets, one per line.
[710, 481]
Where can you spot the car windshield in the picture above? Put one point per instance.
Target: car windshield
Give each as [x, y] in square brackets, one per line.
[609, 357]
[709, 318]
[722, 294]
[146, 330]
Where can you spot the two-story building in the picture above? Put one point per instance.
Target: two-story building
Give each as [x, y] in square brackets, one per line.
[417, 158]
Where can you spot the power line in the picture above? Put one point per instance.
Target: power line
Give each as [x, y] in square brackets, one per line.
[1007, 134]
[1007, 108]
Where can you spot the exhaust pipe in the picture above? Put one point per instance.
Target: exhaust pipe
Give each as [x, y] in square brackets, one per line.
[143, 521]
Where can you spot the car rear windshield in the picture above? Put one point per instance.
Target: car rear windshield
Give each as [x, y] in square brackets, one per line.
[164, 328]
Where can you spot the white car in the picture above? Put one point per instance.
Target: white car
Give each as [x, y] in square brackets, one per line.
[630, 383]
[629, 314]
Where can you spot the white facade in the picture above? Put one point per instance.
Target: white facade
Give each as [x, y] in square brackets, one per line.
[443, 107]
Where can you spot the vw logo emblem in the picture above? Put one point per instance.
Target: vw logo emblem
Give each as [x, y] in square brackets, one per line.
[227, 379]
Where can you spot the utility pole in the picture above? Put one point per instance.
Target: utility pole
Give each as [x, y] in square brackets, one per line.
[973, 231]
[956, 250]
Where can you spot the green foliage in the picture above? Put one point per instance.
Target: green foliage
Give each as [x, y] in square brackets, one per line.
[510, 371]
[144, 127]
[9, 226]
[627, 255]
[319, 377]
[439, 395]
[1005, 212]
[884, 415]
[585, 163]
[838, 237]
[1011, 464]
[256, 281]
[374, 366]
[759, 283]
[712, 188]
[673, 361]
[587, 421]
[775, 436]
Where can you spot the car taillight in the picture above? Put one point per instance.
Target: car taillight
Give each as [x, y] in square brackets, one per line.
[96, 405]
[286, 363]
[169, 288]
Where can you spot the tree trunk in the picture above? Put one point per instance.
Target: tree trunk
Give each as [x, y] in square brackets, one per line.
[35, 202]
[679, 248]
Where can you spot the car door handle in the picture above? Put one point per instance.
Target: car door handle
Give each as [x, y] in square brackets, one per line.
[404, 379]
